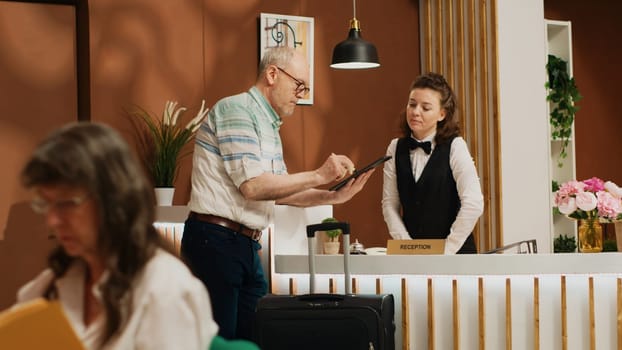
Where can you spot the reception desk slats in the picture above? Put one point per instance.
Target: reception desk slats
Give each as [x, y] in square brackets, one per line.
[548, 301]
[536, 313]
[498, 301]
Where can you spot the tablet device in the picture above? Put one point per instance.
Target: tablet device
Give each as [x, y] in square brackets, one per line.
[357, 173]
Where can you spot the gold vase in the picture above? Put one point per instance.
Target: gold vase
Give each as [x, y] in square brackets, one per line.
[590, 236]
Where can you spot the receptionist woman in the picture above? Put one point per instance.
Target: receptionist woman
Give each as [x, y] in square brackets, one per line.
[431, 189]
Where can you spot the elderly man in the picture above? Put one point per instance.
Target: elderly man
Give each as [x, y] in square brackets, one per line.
[238, 175]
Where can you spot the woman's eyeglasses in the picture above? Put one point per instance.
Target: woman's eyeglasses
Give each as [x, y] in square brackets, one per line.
[300, 85]
[41, 206]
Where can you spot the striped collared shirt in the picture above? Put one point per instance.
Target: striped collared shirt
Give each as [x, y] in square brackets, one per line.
[238, 140]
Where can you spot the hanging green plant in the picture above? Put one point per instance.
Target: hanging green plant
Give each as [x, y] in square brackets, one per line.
[563, 95]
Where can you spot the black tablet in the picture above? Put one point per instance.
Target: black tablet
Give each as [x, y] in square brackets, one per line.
[356, 174]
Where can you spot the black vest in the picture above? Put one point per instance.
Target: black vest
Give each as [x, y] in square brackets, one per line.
[431, 204]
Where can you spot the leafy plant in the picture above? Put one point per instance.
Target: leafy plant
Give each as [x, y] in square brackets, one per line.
[563, 94]
[555, 186]
[564, 244]
[332, 234]
[166, 138]
[610, 245]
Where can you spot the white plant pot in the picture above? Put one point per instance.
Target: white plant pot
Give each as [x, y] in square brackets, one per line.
[331, 248]
[164, 195]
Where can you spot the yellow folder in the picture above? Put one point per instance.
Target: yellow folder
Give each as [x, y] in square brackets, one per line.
[38, 324]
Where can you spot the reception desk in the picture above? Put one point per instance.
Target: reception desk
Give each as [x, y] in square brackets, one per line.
[500, 301]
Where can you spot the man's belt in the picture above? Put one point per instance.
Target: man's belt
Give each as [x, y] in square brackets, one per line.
[255, 235]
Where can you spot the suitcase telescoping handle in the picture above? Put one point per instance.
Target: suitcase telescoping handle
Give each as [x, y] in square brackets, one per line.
[345, 233]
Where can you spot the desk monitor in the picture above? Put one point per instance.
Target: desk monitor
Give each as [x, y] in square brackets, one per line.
[415, 246]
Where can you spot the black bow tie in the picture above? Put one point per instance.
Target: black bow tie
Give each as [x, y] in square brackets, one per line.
[426, 146]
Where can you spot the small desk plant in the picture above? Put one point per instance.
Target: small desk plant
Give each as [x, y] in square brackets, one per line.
[564, 244]
[165, 139]
[332, 245]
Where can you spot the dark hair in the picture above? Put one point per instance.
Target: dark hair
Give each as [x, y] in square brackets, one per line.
[447, 128]
[94, 157]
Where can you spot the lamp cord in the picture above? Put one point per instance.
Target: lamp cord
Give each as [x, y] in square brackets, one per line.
[354, 9]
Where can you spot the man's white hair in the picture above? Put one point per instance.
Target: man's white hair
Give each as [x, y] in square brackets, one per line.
[279, 56]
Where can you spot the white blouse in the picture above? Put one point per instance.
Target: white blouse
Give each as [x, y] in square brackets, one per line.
[171, 308]
[467, 184]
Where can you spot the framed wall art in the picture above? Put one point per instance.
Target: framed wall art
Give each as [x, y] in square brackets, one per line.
[294, 31]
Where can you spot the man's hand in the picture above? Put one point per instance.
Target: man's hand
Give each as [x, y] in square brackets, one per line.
[353, 187]
[336, 167]
[314, 196]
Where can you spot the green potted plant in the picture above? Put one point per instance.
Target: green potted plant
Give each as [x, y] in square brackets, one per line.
[331, 246]
[610, 245]
[564, 244]
[165, 139]
[562, 94]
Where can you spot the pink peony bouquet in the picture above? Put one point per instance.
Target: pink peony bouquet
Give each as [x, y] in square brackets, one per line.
[590, 199]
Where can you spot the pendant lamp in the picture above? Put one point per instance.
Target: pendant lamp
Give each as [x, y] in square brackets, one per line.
[354, 52]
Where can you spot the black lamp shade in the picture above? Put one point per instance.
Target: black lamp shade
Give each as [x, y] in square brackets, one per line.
[355, 53]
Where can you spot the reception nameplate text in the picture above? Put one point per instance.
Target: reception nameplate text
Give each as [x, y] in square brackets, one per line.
[415, 246]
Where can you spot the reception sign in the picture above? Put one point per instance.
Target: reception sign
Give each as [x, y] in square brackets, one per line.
[415, 246]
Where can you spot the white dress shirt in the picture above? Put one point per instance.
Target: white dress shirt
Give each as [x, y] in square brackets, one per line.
[171, 308]
[467, 185]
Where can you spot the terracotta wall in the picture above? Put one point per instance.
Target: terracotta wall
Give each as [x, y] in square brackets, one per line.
[38, 84]
[38, 94]
[596, 28]
[145, 52]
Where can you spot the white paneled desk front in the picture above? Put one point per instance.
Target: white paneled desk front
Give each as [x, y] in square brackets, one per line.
[499, 301]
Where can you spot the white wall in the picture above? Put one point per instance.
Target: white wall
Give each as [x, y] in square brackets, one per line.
[523, 123]
[290, 227]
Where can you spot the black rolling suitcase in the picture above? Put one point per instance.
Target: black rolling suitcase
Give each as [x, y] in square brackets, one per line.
[326, 321]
